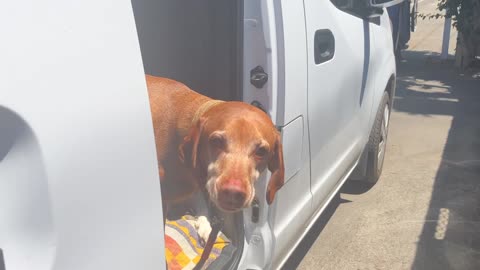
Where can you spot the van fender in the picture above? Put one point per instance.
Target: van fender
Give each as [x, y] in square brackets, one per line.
[386, 82]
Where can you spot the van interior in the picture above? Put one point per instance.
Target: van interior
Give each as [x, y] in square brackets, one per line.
[198, 43]
[195, 42]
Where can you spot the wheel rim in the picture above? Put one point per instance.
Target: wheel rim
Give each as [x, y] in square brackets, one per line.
[382, 145]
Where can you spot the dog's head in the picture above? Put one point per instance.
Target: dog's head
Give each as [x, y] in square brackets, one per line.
[229, 147]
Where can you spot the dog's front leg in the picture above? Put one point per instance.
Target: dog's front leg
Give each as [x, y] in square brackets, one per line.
[202, 224]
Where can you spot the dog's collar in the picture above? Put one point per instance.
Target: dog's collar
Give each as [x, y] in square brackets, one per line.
[204, 108]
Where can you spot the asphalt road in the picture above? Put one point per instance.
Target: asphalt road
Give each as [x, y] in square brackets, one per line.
[424, 213]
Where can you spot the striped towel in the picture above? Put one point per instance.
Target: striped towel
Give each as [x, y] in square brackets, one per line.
[182, 246]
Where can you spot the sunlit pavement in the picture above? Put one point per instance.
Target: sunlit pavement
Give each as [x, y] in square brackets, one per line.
[424, 213]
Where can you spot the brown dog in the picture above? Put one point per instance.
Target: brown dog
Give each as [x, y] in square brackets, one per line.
[221, 147]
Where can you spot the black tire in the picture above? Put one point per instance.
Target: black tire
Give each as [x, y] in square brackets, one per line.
[378, 141]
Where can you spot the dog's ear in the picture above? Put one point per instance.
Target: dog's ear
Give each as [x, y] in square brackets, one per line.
[276, 167]
[188, 149]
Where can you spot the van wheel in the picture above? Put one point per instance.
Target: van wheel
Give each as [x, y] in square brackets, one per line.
[377, 143]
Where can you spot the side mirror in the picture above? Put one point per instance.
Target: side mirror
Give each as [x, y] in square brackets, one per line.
[375, 7]
[365, 8]
[384, 3]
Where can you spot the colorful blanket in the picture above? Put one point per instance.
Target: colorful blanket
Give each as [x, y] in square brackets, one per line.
[183, 248]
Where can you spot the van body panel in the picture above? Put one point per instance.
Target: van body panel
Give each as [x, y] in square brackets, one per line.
[79, 186]
[336, 95]
[290, 212]
[384, 63]
[342, 98]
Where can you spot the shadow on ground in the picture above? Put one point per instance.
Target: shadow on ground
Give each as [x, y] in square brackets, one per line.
[350, 187]
[312, 235]
[450, 238]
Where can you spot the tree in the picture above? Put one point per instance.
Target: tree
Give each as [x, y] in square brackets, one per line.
[466, 18]
[465, 15]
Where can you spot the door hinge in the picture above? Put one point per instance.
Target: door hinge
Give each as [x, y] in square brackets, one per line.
[259, 105]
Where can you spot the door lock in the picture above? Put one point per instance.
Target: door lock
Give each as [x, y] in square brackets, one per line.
[258, 77]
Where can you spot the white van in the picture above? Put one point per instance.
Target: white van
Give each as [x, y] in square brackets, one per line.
[79, 186]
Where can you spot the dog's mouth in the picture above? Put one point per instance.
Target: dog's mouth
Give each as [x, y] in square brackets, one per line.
[229, 208]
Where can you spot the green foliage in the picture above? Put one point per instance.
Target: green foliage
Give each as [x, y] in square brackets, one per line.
[461, 12]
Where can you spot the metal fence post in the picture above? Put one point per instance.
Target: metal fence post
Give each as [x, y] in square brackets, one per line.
[446, 37]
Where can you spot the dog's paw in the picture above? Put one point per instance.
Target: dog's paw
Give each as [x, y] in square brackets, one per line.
[203, 229]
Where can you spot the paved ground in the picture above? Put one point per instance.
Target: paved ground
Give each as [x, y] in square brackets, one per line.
[425, 211]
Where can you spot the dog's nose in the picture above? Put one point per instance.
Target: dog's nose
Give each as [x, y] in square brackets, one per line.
[232, 194]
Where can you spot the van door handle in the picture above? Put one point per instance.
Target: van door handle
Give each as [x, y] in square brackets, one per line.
[324, 46]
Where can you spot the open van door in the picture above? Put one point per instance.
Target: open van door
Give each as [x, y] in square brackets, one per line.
[79, 185]
[275, 79]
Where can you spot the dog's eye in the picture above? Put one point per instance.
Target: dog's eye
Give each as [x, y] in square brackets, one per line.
[261, 151]
[217, 141]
